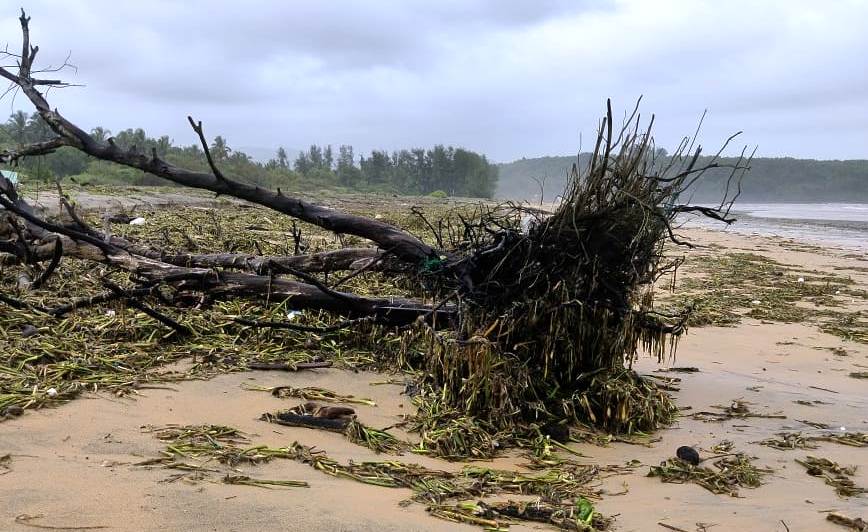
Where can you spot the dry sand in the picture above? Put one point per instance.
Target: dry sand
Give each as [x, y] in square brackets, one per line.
[72, 464]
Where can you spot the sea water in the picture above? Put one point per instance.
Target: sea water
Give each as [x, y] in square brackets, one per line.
[842, 225]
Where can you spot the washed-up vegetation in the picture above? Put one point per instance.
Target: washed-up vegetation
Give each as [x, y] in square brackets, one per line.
[515, 324]
[200, 450]
[568, 491]
[853, 523]
[797, 440]
[492, 515]
[49, 358]
[786, 441]
[737, 409]
[729, 474]
[512, 316]
[478, 394]
[312, 393]
[380, 441]
[837, 476]
[765, 290]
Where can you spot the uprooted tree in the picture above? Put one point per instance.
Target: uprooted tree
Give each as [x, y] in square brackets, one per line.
[527, 316]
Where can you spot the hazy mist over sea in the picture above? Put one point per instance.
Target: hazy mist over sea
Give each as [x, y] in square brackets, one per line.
[839, 224]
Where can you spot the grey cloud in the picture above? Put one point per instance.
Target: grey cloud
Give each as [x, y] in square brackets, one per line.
[511, 79]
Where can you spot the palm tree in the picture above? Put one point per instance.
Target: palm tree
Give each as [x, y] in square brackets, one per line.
[101, 134]
[163, 145]
[282, 158]
[38, 129]
[219, 149]
[17, 125]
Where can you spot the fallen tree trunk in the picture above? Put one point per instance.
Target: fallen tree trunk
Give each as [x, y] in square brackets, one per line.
[550, 308]
[325, 262]
[83, 243]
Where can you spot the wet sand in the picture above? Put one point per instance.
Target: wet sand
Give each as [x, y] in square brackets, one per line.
[72, 464]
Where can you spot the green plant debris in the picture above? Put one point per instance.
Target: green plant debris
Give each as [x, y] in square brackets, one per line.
[586, 434]
[244, 480]
[447, 433]
[853, 523]
[859, 374]
[730, 474]
[580, 516]
[833, 474]
[560, 488]
[724, 446]
[377, 440]
[199, 450]
[206, 444]
[814, 402]
[788, 441]
[112, 348]
[766, 290]
[796, 440]
[852, 327]
[737, 409]
[853, 439]
[311, 393]
[623, 402]
[680, 369]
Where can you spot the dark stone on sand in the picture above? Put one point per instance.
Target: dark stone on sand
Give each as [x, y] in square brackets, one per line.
[688, 454]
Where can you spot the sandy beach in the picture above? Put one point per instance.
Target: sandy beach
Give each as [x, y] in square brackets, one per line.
[434, 266]
[71, 466]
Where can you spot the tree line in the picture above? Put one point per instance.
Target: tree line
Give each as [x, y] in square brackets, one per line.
[441, 170]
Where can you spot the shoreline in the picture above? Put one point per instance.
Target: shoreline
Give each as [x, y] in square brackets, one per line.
[834, 225]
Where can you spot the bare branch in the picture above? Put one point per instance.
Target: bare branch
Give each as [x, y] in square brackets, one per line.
[403, 245]
[197, 127]
[11, 156]
[55, 260]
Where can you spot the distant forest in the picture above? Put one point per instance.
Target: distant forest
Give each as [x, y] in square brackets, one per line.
[769, 180]
[442, 171]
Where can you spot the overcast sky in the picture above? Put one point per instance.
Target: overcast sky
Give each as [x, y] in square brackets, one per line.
[506, 78]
